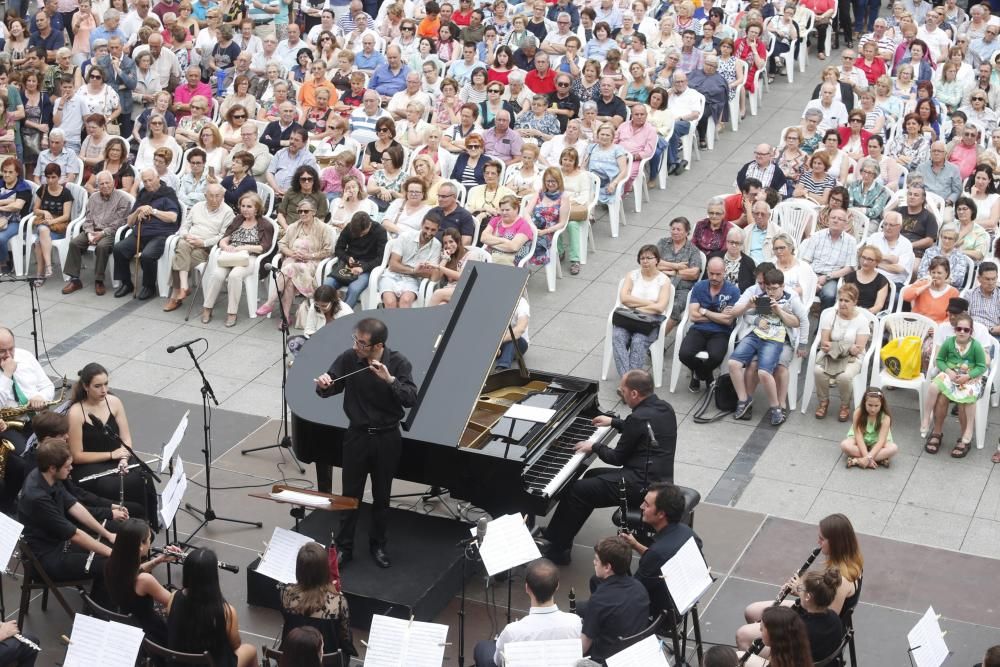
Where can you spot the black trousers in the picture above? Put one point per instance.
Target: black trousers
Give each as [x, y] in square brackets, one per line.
[696, 341]
[482, 654]
[845, 20]
[72, 564]
[152, 249]
[13, 652]
[599, 487]
[375, 454]
[324, 477]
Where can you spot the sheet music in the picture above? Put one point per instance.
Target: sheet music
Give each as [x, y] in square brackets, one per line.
[927, 641]
[174, 442]
[10, 533]
[104, 643]
[686, 576]
[646, 653]
[393, 642]
[549, 653]
[508, 543]
[173, 493]
[279, 558]
[300, 498]
[529, 413]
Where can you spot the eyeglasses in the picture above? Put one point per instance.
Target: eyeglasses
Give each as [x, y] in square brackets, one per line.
[963, 329]
[779, 247]
[474, 147]
[305, 178]
[156, 122]
[303, 211]
[362, 345]
[381, 130]
[978, 99]
[494, 90]
[406, 28]
[857, 120]
[240, 117]
[734, 242]
[867, 259]
[647, 258]
[96, 77]
[563, 85]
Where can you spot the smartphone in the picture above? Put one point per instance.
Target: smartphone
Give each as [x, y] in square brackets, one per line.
[211, 172]
[763, 305]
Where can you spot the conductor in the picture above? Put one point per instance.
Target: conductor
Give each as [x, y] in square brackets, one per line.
[377, 385]
[642, 463]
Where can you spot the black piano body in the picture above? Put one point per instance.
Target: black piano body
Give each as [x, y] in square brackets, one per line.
[457, 436]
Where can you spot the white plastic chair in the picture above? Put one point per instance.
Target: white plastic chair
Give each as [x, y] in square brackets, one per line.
[587, 237]
[22, 245]
[266, 193]
[796, 217]
[858, 384]
[370, 297]
[756, 98]
[640, 186]
[899, 325]
[655, 350]
[679, 332]
[688, 145]
[804, 32]
[616, 207]
[251, 284]
[983, 404]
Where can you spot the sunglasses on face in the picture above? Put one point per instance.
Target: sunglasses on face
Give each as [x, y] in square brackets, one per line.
[963, 330]
[303, 211]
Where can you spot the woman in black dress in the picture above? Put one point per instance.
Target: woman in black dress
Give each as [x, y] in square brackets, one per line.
[95, 450]
[199, 618]
[52, 216]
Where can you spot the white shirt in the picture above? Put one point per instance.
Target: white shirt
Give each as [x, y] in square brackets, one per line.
[522, 310]
[31, 380]
[938, 41]
[856, 77]
[131, 22]
[541, 623]
[902, 248]
[164, 65]
[833, 116]
[399, 101]
[689, 102]
[553, 148]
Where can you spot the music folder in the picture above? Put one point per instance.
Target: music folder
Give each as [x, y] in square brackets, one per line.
[646, 653]
[104, 643]
[926, 641]
[687, 576]
[393, 642]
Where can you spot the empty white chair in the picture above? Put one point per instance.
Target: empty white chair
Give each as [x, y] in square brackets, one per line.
[795, 217]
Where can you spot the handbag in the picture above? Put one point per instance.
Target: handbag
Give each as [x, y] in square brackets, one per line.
[229, 260]
[635, 321]
[901, 357]
[723, 394]
[342, 272]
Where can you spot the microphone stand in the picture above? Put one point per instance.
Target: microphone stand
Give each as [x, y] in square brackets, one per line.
[35, 311]
[208, 515]
[286, 439]
[470, 551]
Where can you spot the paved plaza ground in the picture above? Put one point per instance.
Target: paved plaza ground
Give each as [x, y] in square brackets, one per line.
[760, 485]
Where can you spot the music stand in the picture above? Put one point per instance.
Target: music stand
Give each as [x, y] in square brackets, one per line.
[35, 310]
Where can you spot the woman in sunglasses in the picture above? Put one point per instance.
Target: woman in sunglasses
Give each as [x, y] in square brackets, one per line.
[305, 185]
[961, 366]
[236, 117]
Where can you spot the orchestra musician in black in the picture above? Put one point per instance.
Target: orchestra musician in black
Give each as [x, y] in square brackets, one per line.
[641, 464]
[378, 384]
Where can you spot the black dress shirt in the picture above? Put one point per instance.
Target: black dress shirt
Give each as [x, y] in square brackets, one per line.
[44, 511]
[569, 103]
[618, 608]
[665, 546]
[630, 453]
[368, 400]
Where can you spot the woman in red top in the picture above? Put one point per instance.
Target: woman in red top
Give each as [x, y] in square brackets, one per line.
[869, 62]
[751, 50]
[823, 9]
[854, 138]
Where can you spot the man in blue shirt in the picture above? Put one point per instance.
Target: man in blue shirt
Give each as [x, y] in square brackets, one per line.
[46, 37]
[710, 311]
[368, 59]
[390, 78]
[108, 29]
[55, 18]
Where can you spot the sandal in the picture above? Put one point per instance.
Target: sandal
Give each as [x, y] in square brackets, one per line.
[821, 409]
[884, 463]
[230, 320]
[961, 449]
[852, 462]
[933, 443]
[844, 414]
[206, 316]
[574, 268]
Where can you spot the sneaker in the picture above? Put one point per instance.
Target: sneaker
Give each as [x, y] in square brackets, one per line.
[777, 416]
[694, 386]
[743, 409]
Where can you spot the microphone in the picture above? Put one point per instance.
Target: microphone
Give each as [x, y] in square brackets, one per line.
[271, 268]
[481, 530]
[652, 438]
[189, 343]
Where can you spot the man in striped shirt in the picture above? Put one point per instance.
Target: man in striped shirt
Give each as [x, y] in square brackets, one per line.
[984, 299]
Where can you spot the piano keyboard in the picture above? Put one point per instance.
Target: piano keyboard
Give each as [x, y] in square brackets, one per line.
[558, 463]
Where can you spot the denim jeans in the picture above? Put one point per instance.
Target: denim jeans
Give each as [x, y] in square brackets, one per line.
[681, 128]
[654, 162]
[827, 294]
[506, 357]
[5, 236]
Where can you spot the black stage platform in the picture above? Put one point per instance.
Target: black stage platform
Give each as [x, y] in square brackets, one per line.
[426, 571]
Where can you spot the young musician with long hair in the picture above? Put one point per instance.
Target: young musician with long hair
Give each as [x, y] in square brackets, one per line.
[839, 545]
[199, 618]
[131, 589]
[785, 634]
[314, 596]
[302, 647]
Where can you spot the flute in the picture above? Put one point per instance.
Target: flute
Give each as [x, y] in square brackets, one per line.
[235, 569]
[113, 471]
[27, 642]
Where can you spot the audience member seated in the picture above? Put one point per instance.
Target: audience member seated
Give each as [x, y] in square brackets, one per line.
[405, 216]
[358, 250]
[507, 236]
[844, 334]
[686, 104]
[973, 241]
[314, 601]
[304, 186]
[277, 134]
[869, 443]
[764, 168]
[155, 215]
[199, 233]
[834, 111]
[199, 618]
[984, 299]
[957, 378]
[544, 620]
[618, 605]
[947, 247]
[981, 188]
[929, 296]
[638, 137]
[910, 147]
[240, 179]
[760, 236]
[815, 182]
[414, 257]
[868, 193]
[53, 210]
[454, 256]
[737, 206]
[250, 233]
[116, 162]
[351, 200]
[739, 267]
[385, 185]
[15, 202]
[549, 209]
[286, 163]
[710, 233]
[325, 307]
[469, 164]
[518, 326]
[130, 587]
[503, 143]
[831, 254]
[680, 261]
[483, 201]
[645, 290]
[710, 312]
[872, 285]
[940, 175]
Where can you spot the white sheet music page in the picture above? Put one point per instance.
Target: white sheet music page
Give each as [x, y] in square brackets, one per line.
[174, 442]
[529, 413]
[278, 561]
[549, 653]
[687, 576]
[10, 533]
[297, 498]
[926, 641]
[393, 642]
[104, 643]
[508, 543]
[173, 493]
[646, 653]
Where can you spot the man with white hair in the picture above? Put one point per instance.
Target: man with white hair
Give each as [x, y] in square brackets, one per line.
[165, 63]
[833, 110]
[109, 28]
[555, 42]
[981, 50]
[638, 137]
[157, 214]
[277, 133]
[501, 142]
[832, 254]
[763, 168]
[57, 153]
[363, 119]
[884, 40]
[140, 11]
[572, 138]
[105, 213]
[201, 230]
[249, 143]
[686, 104]
[287, 161]
[849, 74]
[412, 93]
[941, 176]
[542, 79]
[898, 260]
[288, 48]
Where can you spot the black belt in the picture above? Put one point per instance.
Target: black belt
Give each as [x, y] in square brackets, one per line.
[367, 428]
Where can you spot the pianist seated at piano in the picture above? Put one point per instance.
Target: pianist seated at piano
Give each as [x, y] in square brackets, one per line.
[641, 464]
[544, 622]
[315, 601]
[97, 421]
[412, 259]
[519, 321]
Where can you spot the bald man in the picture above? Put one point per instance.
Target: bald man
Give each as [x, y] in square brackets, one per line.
[764, 168]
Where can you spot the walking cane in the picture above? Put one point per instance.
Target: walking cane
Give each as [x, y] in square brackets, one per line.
[135, 269]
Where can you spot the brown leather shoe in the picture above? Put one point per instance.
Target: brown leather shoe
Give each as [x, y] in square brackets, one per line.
[72, 286]
[171, 305]
[99, 288]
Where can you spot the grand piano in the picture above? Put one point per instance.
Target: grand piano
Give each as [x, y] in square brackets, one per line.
[457, 436]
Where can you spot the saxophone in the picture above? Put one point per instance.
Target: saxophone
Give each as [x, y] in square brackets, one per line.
[9, 415]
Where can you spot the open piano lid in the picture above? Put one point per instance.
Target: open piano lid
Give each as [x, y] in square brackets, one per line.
[452, 349]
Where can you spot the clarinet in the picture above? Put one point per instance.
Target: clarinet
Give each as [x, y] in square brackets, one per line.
[758, 644]
[623, 498]
[235, 569]
[122, 471]
[572, 600]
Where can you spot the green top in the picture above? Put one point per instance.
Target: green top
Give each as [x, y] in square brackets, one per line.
[973, 361]
[871, 434]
